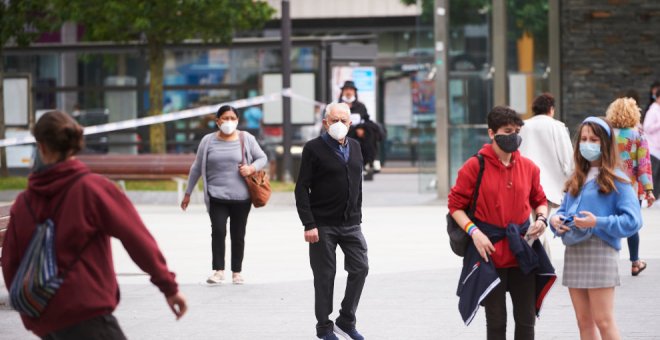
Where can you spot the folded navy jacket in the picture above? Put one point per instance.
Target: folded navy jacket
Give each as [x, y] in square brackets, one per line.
[479, 278]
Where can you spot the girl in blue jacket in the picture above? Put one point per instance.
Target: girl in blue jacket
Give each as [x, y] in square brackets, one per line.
[599, 209]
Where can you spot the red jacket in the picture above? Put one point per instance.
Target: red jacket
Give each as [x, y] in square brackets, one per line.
[507, 195]
[94, 209]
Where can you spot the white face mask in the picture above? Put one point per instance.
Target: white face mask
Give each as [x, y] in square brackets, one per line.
[347, 99]
[228, 127]
[338, 131]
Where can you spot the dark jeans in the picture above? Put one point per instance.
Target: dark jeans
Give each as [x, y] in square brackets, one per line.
[237, 212]
[523, 294]
[655, 168]
[322, 257]
[633, 244]
[103, 327]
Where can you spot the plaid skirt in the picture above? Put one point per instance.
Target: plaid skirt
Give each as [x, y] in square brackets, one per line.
[591, 264]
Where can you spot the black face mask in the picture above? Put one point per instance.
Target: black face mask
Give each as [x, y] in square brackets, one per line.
[508, 143]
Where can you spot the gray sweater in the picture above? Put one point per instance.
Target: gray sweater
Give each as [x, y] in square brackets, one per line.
[219, 171]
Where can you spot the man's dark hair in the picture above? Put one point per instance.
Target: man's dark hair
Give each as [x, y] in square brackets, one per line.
[502, 116]
[543, 103]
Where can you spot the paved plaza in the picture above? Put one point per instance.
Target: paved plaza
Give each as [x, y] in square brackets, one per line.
[409, 294]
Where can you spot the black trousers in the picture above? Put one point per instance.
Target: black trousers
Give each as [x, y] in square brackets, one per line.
[103, 327]
[322, 258]
[522, 289]
[655, 168]
[237, 212]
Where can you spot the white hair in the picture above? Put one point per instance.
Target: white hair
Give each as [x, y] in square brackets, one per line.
[335, 105]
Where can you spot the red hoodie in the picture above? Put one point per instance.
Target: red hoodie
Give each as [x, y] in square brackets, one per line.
[94, 209]
[507, 195]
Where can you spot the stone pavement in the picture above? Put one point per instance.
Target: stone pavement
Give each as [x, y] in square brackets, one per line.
[410, 291]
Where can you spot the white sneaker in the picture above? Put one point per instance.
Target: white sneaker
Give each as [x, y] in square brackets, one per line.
[217, 277]
[237, 279]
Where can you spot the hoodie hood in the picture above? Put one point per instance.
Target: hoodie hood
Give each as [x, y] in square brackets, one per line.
[491, 157]
[55, 179]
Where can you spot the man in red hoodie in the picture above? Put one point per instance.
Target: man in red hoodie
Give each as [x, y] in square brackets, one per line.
[510, 189]
[87, 210]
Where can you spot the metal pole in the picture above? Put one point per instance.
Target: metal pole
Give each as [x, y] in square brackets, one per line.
[499, 52]
[323, 71]
[555, 54]
[441, 23]
[286, 83]
[3, 151]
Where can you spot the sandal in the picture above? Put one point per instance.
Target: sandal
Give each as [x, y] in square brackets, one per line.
[637, 267]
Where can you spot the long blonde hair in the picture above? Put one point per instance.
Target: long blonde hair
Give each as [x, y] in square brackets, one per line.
[609, 162]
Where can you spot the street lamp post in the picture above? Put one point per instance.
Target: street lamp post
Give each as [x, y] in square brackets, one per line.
[441, 25]
[286, 84]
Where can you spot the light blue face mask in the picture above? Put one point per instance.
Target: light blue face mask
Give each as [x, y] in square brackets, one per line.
[590, 151]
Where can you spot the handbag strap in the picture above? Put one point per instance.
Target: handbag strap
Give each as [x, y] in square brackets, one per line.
[241, 138]
[475, 195]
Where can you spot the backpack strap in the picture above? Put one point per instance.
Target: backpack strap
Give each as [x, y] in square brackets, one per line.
[65, 271]
[475, 195]
[27, 204]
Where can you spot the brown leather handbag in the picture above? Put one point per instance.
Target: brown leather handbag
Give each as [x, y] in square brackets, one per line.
[258, 183]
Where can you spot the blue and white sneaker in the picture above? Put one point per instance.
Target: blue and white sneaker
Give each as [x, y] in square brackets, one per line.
[329, 336]
[351, 334]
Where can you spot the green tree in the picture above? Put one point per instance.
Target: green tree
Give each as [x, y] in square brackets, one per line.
[21, 22]
[161, 22]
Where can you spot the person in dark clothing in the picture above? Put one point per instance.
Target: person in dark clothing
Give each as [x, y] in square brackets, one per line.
[92, 210]
[368, 134]
[329, 202]
[366, 131]
[349, 96]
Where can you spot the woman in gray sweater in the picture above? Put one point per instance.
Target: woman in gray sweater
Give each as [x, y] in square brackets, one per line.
[220, 165]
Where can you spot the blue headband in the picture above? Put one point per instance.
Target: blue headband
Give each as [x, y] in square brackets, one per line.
[600, 122]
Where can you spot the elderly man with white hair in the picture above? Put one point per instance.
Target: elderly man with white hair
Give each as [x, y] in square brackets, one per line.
[329, 201]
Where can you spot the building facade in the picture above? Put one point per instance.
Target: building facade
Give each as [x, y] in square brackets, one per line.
[499, 52]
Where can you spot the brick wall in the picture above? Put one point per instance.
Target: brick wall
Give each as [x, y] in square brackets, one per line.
[607, 47]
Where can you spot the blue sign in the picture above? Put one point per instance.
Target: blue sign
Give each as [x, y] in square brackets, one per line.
[365, 79]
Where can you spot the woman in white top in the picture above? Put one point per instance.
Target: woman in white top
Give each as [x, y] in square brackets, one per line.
[547, 143]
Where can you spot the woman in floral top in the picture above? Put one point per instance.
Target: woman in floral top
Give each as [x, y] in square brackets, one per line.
[624, 115]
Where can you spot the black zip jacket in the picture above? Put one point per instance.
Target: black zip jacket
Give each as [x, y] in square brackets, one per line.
[329, 190]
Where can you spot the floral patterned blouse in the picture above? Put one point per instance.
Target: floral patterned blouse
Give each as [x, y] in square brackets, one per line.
[635, 158]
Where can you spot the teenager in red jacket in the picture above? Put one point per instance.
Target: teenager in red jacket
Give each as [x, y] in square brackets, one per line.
[510, 189]
[92, 211]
